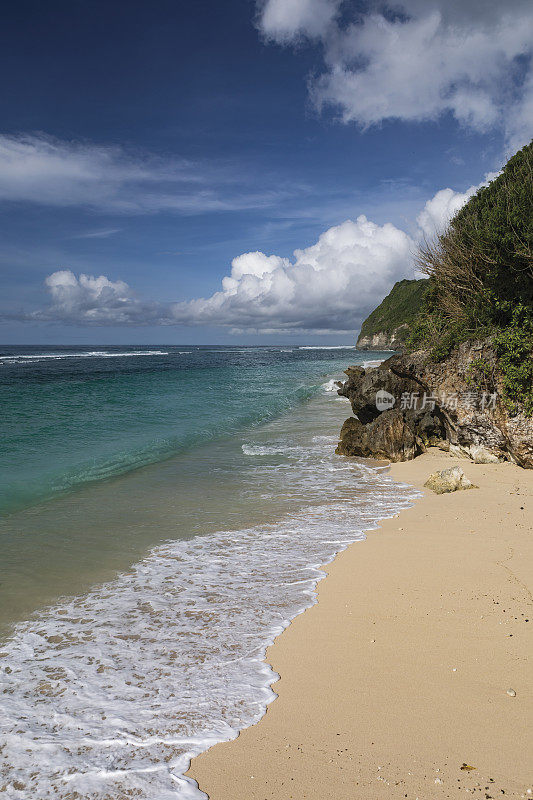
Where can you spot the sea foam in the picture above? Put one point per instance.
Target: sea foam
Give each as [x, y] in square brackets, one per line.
[30, 358]
[331, 386]
[111, 693]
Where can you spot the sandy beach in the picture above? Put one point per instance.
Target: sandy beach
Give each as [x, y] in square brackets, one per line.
[413, 665]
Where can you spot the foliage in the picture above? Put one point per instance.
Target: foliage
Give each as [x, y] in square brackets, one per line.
[481, 279]
[400, 307]
[514, 346]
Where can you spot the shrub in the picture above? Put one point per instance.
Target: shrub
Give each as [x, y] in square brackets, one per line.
[481, 279]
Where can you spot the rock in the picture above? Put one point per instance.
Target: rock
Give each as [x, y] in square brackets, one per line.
[457, 403]
[448, 480]
[363, 387]
[511, 692]
[382, 428]
[389, 436]
[385, 340]
[480, 455]
[477, 453]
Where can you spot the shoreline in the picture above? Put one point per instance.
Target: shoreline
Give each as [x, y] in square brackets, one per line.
[399, 674]
[267, 561]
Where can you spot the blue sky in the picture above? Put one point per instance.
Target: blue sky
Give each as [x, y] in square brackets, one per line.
[154, 144]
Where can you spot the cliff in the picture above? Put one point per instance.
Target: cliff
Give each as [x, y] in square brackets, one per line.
[389, 325]
[409, 403]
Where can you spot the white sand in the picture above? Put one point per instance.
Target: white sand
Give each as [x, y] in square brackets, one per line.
[399, 675]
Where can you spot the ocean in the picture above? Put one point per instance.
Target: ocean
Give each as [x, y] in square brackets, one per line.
[164, 513]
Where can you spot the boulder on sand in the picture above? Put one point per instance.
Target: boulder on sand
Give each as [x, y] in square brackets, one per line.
[448, 480]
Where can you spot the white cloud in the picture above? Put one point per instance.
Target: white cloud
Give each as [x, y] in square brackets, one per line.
[519, 128]
[91, 300]
[285, 20]
[329, 286]
[439, 210]
[40, 169]
[471, 59]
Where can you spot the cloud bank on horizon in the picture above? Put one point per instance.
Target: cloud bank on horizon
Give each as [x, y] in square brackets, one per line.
[325, 288]
[416, 60]
[328, 287]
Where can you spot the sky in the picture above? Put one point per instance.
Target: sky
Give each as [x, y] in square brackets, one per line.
[241, 172]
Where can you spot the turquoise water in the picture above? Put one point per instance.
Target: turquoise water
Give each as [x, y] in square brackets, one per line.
[74, 415]
[107, 452]
[165, 516]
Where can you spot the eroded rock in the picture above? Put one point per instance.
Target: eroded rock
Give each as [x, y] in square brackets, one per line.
[456, 405]
[448, 480]
[390, 435]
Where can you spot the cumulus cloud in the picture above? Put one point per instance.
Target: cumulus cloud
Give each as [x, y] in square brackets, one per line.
[40, 169]
[416, 60]
[329, 286]
[91, 300]
[439, 210]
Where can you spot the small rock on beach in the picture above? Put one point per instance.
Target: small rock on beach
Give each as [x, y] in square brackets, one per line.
[448, 480]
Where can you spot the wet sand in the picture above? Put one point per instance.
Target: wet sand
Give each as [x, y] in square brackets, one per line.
[400, 675]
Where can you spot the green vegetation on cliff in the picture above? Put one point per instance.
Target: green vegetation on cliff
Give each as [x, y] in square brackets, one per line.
[481, 279]
[400, 307]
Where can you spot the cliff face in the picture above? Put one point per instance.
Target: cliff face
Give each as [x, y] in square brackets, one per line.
[409, 403]
[388, 326]
[384, 340]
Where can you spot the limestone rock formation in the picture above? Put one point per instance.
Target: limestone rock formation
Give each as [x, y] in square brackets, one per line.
[389, 436]
[448, 480]
[457, 404]
[384, 340]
